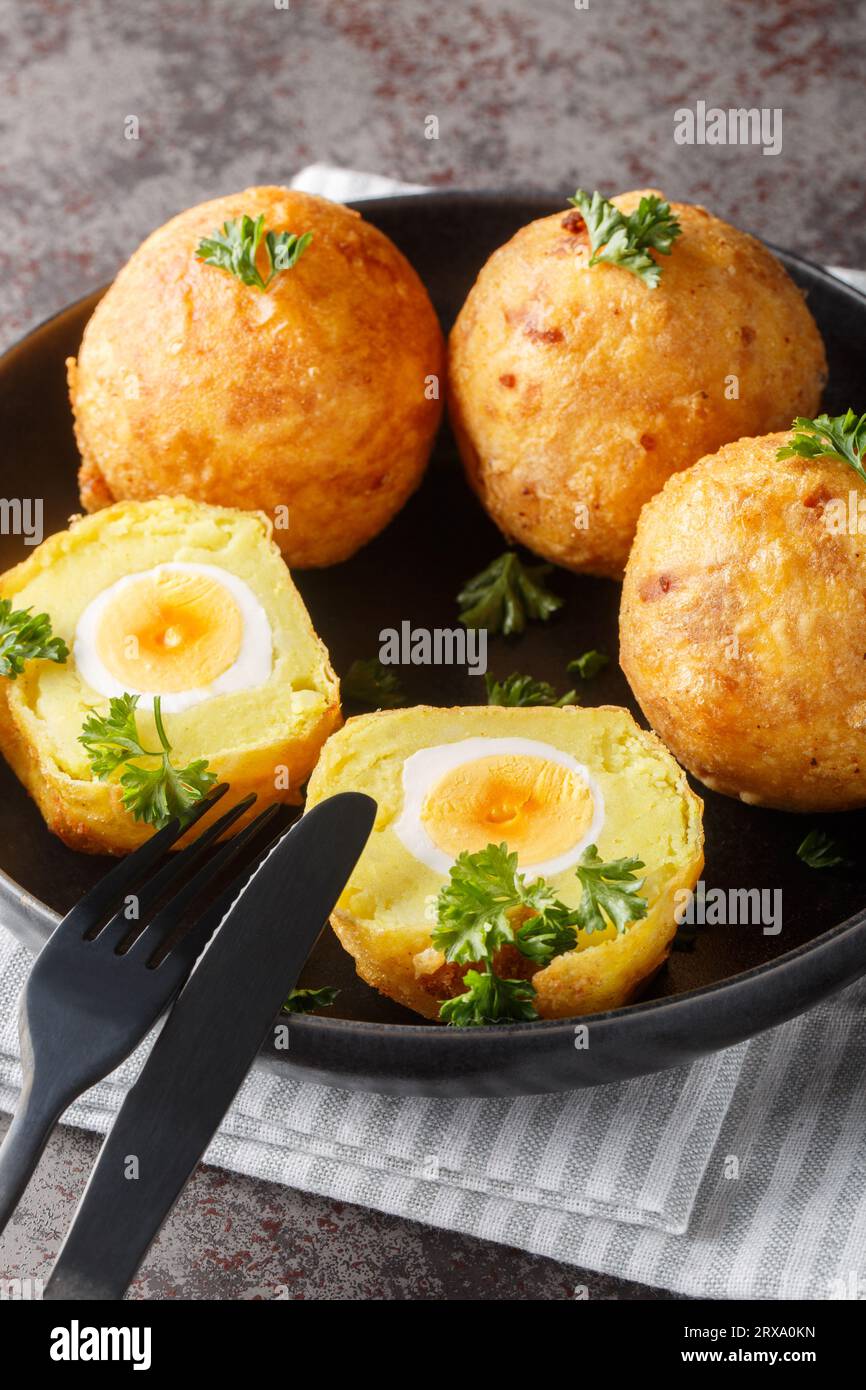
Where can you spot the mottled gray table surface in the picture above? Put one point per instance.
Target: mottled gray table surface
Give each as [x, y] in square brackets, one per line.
[227, 93]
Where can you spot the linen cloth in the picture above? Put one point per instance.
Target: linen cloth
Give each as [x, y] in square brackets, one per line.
[741, 1176]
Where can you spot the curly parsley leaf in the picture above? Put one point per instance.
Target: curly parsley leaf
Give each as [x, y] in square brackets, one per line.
[626, 241]
[602, 218]
[154, 794]
[111, 739]
[841, 437]
[588, 665]
[819, 851]
[505, 595]
[474, 907]
[157, 795]
[235, 249]
[548, 934]
[489, 998]
[524, 691]
[486, 905]
[653, 224]
[611, 892]
[25, 636]
[285, 249]
[304, 1001]
[371, 683]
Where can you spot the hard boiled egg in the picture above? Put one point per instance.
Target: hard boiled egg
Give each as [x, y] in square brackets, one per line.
[185, 632]
[546, 781]
[459, 796]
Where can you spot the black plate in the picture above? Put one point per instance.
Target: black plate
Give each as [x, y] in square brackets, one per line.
[734, 982]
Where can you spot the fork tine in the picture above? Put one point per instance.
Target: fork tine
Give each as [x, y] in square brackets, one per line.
[120, 926]
[158, 931]
[191, 945]
[114, 885]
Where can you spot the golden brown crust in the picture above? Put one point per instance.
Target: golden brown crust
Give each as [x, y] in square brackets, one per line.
[743, 626]
[577, 983]
[89, 816]
[93, 489]
[616, 972]
[312, 396]
[575, 393]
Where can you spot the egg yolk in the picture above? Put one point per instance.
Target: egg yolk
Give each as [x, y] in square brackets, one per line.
[170, 632]
[539, 808]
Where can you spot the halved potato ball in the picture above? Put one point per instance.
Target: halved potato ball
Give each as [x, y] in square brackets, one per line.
[170, 598]
[546, 781]
[312, 401]
[743, 625]
[576, 392]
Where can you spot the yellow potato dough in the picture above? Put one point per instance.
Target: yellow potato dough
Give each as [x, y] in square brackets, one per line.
[308, 401]
[576, 392]
[263, 739]
[743, 625]
[383, 916]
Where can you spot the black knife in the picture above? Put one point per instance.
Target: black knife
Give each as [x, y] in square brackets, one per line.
[206, 1048]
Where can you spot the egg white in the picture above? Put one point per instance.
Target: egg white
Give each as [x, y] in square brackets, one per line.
[422, 770]
[252, 666]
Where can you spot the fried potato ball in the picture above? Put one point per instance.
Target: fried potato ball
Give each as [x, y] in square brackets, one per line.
[546, 781]
[176, 599]
[743, 625]
[576, 392]
[313, 401]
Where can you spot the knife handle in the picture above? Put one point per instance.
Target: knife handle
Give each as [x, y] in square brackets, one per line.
[210, 1040]
[100, 1259]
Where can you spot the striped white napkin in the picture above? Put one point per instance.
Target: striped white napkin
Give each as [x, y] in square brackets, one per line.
[744, 1175]
[634, 1152]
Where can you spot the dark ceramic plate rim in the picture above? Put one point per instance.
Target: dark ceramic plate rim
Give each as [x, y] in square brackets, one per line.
[811, 970]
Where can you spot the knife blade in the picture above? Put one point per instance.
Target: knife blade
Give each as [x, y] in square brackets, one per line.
[206, 1048]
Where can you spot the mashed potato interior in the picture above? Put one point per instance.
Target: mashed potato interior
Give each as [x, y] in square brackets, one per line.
[649, 811]
[71, 570]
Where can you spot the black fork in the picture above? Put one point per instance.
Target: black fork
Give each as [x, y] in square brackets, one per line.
[98, 986]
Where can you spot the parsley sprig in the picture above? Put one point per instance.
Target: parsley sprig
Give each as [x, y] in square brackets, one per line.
[369, 682]
[304, 1001]
[236, 247]
[841, 437]
[505, 595]
[25, 636]
[611, 892]
[627, 241]
[820, 851]
[524, 690]
[487, 904]
[474, 908]
[154, 794]
[588, 665]
[489, 998]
